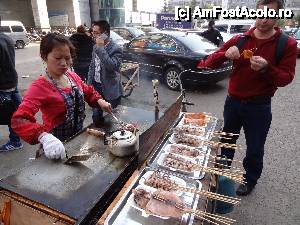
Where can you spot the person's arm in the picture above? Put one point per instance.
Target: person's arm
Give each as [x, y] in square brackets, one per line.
[112, 62]
[284, 73]
[24, 122]
[217, 58]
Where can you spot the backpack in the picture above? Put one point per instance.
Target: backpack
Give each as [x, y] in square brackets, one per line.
[282, 40]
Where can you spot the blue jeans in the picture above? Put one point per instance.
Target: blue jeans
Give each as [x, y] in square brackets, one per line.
[15, 96]
[255, 118]
[97, 112]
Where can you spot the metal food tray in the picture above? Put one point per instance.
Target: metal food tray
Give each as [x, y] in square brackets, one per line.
[124, 214]
[156, 157]
[210, 127]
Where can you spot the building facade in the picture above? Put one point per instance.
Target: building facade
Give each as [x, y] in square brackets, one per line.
[44, 14]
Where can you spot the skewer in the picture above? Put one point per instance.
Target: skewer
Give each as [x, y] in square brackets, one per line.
[207, 220]
[237, 178]
[198, 213]
[232, 168]
[232, 160]
[224, 133]
[207, 194]
[220, 195]
[217, 216]
[220, 144]
[231, 175]
[216, 157]
[210, 195]
[226, 138]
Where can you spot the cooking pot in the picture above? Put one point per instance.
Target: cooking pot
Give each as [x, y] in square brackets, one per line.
[122, 143]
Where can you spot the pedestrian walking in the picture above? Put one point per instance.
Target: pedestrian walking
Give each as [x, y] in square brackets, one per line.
[84, 48]
[10, 97]
[212, 34]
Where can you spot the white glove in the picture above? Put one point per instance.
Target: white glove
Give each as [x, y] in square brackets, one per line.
[53, 147]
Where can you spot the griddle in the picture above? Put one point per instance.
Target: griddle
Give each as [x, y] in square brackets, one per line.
[83, 189]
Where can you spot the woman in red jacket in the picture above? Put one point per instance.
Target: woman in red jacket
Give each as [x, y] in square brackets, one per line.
[60, 94]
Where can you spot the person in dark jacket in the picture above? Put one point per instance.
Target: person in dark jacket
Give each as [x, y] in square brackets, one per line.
[8, 86]
[212, 34]
[84, 48]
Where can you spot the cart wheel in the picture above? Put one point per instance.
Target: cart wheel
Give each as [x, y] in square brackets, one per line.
[129, 89]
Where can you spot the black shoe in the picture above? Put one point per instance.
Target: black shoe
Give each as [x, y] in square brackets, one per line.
[244, 189]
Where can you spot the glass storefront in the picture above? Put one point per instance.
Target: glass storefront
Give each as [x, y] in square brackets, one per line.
[113, 11]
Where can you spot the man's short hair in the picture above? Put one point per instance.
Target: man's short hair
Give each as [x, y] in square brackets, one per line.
[211, 23]
[104, 25]
[280, 3]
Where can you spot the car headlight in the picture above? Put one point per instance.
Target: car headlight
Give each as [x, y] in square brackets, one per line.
[298, 44]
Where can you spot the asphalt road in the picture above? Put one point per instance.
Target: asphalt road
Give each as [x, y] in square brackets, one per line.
[275, 200]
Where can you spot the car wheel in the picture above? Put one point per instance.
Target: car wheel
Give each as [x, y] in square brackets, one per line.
[20, 44]
[171, 78]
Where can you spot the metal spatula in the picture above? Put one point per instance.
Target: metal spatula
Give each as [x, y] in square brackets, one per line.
[77, 158]
[69, 159]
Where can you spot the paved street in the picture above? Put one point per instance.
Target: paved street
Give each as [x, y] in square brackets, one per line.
[276, 199]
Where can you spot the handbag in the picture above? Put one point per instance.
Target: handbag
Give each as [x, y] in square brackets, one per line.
[7, 109]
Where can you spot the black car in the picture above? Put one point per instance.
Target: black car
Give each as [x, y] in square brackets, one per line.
[128, 33]
[168, 53]
[149, 29]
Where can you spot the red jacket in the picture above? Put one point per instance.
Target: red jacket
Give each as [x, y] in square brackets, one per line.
[43, 95]
[246, 83]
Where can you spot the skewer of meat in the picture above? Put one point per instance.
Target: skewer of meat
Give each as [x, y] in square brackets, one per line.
[200, 116]
[146, 201]
[166, 201]
[162, 181]
[179, 163]
[195, 122]
[187, 139]
[186, 129]
[196, 142]
[193, 152]
[184, 150]
[166, 204]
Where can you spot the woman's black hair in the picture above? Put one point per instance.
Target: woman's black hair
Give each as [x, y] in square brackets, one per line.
[51, 40]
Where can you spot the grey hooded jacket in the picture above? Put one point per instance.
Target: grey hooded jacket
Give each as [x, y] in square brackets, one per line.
[111, 58]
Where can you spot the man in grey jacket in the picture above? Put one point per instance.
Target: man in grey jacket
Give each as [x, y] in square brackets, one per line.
[104, 72]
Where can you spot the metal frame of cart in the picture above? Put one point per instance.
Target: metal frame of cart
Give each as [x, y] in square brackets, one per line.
[127, 79]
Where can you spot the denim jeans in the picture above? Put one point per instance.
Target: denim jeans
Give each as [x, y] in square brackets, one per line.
[15, 95]
[97, 112]
[255, 118]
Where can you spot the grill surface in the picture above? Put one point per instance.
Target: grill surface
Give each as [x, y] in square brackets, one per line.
[76, 189]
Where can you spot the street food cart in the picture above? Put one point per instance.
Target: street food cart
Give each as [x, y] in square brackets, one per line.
[96, 191]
